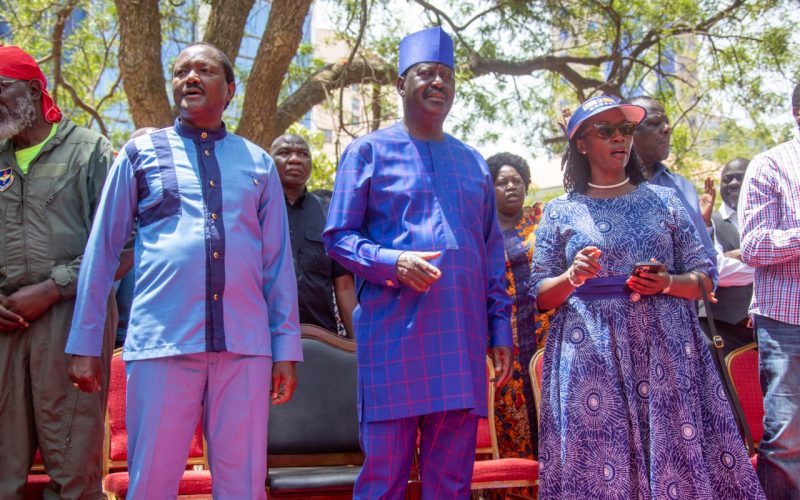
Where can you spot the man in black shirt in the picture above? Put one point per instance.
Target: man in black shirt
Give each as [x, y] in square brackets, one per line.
[317, 275]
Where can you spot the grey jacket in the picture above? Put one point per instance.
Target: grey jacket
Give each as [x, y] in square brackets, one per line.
[46, 215]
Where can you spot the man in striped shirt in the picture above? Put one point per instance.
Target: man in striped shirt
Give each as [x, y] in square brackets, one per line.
[770, 222]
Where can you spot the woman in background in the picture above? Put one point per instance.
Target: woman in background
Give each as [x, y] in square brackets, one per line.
[515, 413]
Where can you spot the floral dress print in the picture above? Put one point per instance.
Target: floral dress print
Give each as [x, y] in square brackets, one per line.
[632, 404]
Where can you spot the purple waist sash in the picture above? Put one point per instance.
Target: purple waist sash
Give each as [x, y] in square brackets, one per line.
[607, 287]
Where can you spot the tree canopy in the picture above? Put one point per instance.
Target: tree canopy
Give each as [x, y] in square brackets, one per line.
[519, 62]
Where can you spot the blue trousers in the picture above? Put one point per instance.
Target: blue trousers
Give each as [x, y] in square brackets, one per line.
[447, 455]
[164, 401]
[779, 451]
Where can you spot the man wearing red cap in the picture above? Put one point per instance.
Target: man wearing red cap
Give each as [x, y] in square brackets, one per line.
[51, 176]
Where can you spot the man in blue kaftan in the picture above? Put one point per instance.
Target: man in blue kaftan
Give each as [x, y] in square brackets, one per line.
[413, 217]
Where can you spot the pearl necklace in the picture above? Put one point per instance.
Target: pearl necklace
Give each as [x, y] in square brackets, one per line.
[610, 186]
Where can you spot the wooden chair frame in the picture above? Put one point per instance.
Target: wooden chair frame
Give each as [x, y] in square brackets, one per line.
[488, 485]
[536, 382]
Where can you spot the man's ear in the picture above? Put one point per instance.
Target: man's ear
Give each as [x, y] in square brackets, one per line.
[35, 88]
[400, 85]
[231, 92]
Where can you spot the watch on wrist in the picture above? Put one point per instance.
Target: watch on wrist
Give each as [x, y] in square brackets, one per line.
[61, 276]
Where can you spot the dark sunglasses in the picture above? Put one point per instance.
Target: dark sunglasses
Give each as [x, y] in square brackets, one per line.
[605, 131]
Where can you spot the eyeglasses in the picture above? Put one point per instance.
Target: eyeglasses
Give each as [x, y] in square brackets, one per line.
[606, 131]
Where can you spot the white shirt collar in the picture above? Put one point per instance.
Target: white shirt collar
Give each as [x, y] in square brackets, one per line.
[727, 212]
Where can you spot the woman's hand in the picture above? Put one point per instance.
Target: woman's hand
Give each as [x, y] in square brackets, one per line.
[554, 291]
[585, 266]
[650, 283]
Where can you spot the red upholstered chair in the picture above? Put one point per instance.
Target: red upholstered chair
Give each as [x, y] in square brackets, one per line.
[486, 442]
[115, 462]
[501, 472]
[742, 364]
[37, 480]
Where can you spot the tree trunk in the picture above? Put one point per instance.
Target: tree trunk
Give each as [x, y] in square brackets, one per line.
[226, 22]
[278, 46]
[315, 89]
[140, 62]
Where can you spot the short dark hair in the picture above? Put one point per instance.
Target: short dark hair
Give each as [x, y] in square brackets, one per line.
[577, 173]
[495, 162]
[289, 138]
[796, 96]
[223, 59]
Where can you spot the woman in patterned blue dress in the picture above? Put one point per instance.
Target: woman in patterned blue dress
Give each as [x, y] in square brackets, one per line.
[632, 406]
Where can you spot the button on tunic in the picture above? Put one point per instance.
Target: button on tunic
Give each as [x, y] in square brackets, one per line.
[212, 254]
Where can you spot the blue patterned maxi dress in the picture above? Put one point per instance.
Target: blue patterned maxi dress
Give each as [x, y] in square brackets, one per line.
[632, 406]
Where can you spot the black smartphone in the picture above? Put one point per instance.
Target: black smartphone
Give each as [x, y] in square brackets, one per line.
[642, 268]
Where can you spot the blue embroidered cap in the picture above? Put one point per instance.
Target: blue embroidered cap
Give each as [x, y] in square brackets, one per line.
[598, 104]
[430, 45]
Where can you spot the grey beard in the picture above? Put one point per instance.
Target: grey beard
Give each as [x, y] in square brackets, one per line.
[14, 121]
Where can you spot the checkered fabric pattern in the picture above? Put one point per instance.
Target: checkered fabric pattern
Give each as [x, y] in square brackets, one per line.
[420, 353]
[769, 215]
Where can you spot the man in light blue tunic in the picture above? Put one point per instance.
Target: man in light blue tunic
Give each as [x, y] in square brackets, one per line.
[214, 313]
[413, 217]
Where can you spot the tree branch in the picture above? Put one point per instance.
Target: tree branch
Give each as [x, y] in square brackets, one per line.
[453, 26]
[314, 90]
[226, 23]
[480, 66]
[456, 28]
[361, 30]
[140, 62]
[278, 46]
[81, 104]
[58, 44]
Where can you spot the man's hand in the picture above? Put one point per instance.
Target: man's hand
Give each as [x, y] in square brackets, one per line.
[501, 358]
[9, 320]
[707, 200]
[736, 253]
[284, 381]
[32, 301]
[84, 371]
[414, 270]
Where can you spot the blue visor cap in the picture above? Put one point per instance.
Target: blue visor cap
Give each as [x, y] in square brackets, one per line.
[597, 105]
[430, 45]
